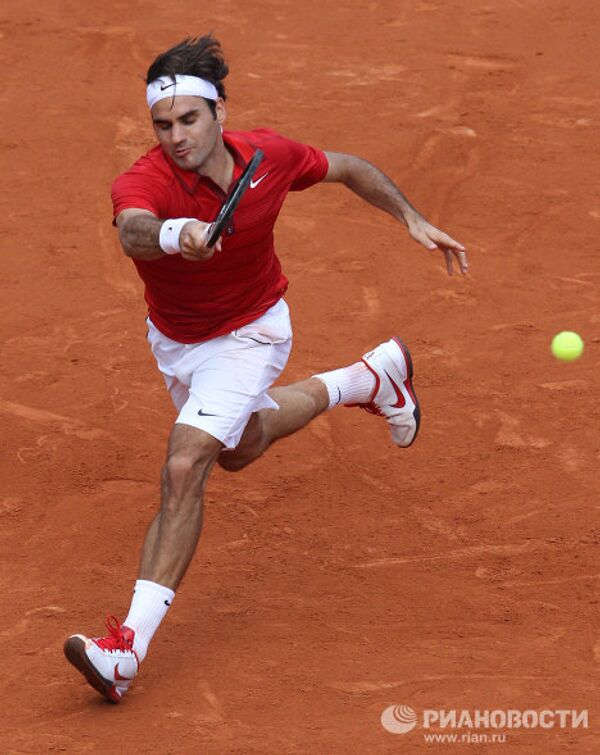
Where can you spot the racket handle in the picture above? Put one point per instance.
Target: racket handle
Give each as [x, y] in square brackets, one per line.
[209, 241]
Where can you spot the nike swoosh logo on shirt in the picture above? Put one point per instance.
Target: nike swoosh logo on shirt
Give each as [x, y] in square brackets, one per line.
[254, 184]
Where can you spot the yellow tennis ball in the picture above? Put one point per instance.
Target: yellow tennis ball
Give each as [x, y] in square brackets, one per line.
[567, 346]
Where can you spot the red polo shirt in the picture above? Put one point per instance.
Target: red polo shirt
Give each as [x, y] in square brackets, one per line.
[196, 301]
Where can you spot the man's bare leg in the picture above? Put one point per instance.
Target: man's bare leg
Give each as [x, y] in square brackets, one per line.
[299, 403]
[173, 535]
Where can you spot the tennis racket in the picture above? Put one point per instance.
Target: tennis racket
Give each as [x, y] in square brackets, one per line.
[229, 205]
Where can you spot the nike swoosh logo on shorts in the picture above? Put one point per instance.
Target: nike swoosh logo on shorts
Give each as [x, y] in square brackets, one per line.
[401, 400]
[254, 184]
[205, 414]
[119, 678]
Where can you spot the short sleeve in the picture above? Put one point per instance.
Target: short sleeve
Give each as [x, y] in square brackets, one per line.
[141, 187]
[310, 165]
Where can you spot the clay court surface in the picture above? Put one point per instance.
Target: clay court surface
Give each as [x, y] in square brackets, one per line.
[338, 575]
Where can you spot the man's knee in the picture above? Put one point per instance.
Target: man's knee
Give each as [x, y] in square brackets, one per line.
[232, 461]
[250, 447]
[188, 465]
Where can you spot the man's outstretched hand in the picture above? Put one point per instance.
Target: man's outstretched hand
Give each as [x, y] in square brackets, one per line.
[432, 238]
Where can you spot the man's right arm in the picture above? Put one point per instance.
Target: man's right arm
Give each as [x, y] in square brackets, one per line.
[139, 233]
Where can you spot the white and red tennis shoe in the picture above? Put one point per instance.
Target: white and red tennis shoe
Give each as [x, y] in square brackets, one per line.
[394, 396]
[108, 663]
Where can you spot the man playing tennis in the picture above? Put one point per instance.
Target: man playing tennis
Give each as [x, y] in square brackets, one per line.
[218, 325]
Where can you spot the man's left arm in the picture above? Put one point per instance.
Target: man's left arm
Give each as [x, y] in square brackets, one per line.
[375, 187]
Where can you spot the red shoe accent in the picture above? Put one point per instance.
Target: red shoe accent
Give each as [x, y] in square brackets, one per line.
[408, 381]
[369, 406]
[120, 678]
[401, 400]
[377, 383]
[120, 637]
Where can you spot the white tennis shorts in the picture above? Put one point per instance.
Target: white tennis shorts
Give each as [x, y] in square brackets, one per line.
[216, 385]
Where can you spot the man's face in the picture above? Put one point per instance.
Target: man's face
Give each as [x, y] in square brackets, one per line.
[186, 129]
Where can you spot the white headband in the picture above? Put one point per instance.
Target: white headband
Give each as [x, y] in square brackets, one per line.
[160, 89]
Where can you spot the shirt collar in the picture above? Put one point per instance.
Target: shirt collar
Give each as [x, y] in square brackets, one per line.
[240, 150]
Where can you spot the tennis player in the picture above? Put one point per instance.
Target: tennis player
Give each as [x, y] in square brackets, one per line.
[218, 323]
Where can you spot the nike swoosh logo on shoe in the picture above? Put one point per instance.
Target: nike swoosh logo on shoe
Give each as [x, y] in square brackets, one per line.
[119, 678]
[401, 400]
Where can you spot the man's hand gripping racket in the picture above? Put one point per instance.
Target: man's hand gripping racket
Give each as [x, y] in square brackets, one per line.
[215, 229]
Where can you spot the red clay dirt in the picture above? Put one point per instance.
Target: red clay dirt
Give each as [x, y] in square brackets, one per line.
[338, 575]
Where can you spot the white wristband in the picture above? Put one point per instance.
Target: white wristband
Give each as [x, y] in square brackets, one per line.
[168, 238]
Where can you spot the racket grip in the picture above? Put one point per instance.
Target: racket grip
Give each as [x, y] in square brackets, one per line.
[210, 241]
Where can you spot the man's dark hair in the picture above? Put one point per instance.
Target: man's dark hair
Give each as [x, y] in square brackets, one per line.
[195, 56]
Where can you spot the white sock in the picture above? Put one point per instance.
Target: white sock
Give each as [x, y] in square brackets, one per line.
[349, 385]
[149, 607]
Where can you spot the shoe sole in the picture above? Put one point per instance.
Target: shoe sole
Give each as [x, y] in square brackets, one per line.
[409, 363]
[74, 650]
